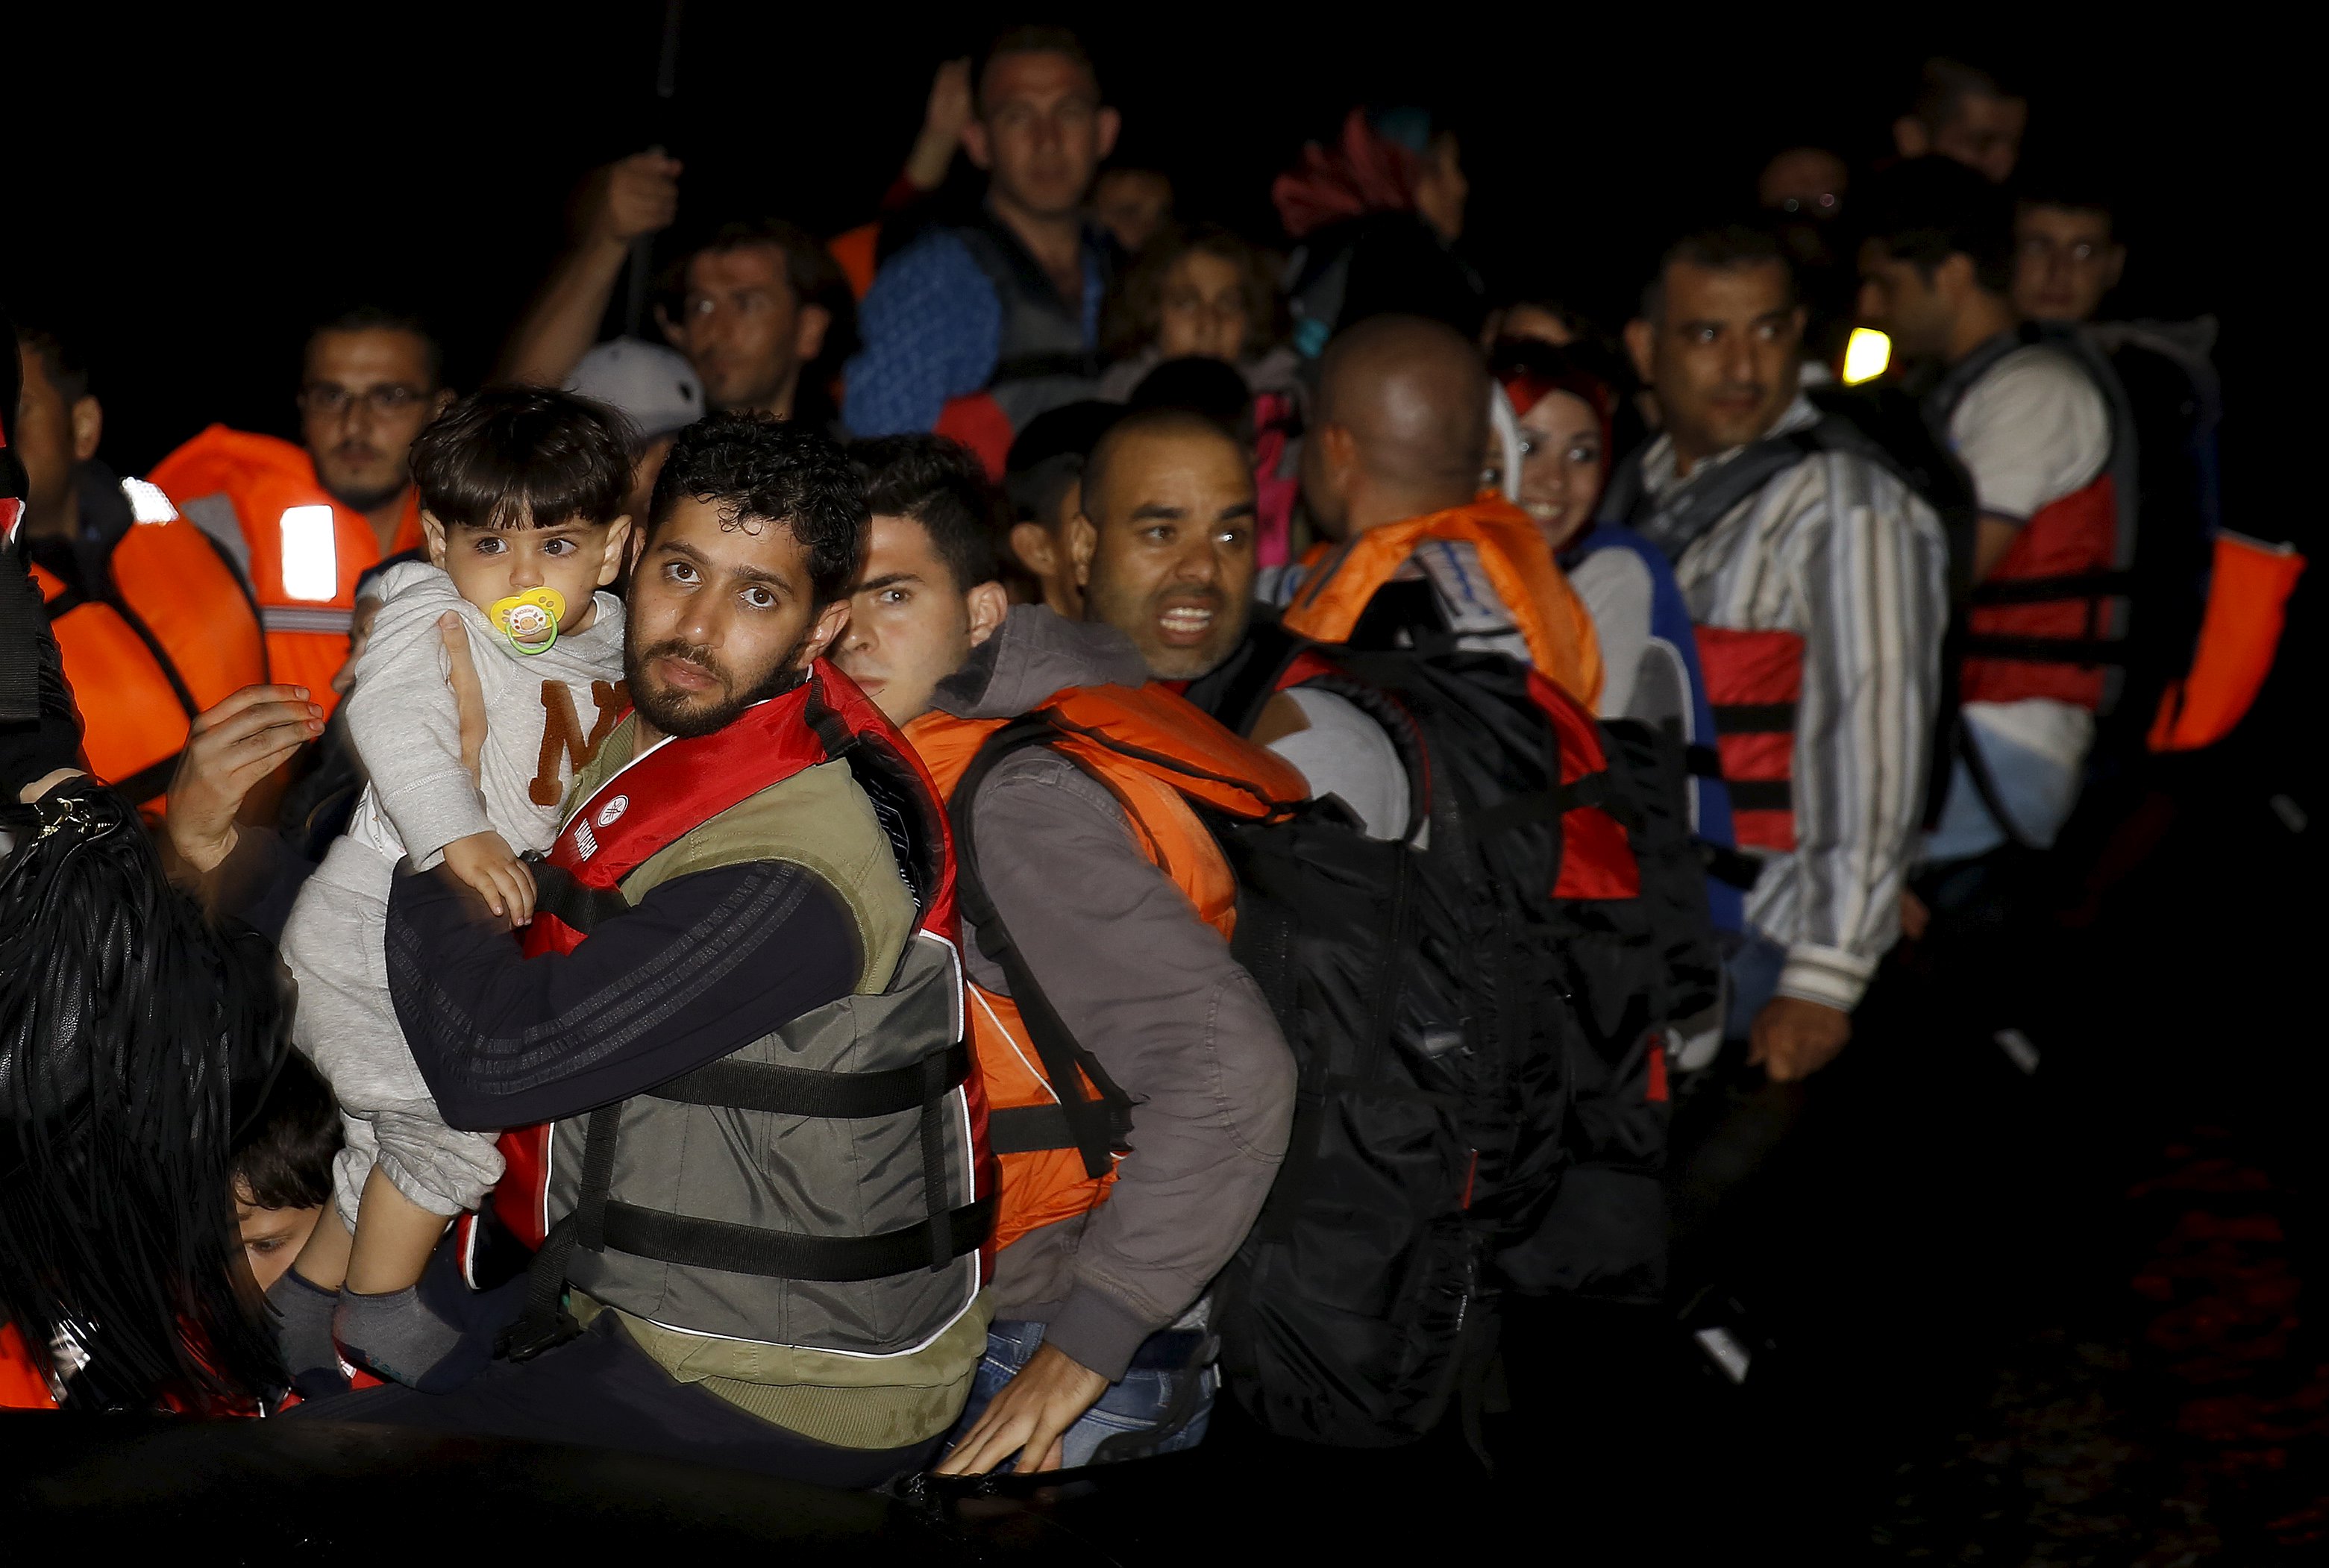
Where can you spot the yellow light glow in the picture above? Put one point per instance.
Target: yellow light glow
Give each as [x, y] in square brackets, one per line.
[1866, 355]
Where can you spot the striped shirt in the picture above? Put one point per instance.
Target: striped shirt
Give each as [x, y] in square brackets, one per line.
[1838, 552]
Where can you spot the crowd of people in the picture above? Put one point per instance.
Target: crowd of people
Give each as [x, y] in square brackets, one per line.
[1030, 816]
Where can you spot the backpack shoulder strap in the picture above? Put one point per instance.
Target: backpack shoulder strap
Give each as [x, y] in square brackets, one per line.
[1095, 1128]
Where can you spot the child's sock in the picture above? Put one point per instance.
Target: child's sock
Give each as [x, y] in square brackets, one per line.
[303, 1327]
[398, 1337]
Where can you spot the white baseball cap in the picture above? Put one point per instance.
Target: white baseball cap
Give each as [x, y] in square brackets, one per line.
[652, 386]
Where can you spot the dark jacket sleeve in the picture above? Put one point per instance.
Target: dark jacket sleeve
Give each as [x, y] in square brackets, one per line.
[40, 729]
[703, 966]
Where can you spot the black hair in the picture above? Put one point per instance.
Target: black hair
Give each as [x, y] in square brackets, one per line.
[1943, 86]
[1162, 421]
[940, 484]
[814, 277]
[1048, 456]
[1719, 248]
[283, 1157]
[517, 456]
[1030, 38]
[61, 360]
[754, 466]
[1201, 386]
[2074, 185]
[1927, 209]
[380, 318]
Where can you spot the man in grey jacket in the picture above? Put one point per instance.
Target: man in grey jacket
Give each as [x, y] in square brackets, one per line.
[1101, 1319]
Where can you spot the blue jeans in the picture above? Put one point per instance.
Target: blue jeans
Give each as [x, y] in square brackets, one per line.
[1142, 1401]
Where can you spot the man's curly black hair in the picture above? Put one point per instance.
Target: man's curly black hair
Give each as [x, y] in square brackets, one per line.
[759, 470]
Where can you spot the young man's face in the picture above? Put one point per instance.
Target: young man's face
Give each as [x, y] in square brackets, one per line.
[1040, 133]
[1722, 360]
[365, 396]
[1897, 297]
[574, 559]
[722, 616]
[910, 625]
[744, 329]
[1985, 134]
[1166, 555]
[2064, 261]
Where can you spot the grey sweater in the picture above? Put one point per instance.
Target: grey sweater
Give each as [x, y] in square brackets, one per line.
[540, 710]
[1145, 985]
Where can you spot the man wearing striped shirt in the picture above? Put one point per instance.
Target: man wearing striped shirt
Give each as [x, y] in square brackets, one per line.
[1817, 583]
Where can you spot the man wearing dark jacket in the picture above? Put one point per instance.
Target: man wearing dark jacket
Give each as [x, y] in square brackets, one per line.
[1106, 1308]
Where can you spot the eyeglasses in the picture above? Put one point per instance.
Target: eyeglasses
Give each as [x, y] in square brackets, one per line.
[2037, 247]
[389, 399]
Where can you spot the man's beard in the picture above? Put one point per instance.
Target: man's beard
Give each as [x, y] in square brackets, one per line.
[687, 720]
[362, 499]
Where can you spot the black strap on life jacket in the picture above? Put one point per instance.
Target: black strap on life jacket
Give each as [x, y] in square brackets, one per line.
[1097, 1130]
[600, 1222]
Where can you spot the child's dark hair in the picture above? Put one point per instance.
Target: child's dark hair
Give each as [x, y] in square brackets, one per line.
[284, 1156]
[518, 457]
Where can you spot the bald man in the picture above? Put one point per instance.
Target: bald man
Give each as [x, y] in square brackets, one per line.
[1391, 474]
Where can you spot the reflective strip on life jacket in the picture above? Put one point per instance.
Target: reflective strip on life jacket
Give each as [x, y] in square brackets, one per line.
[303, 553]
[1553, 621]
[1754, 681]
[1154, 753]
[2048, 620]
[2248, 605]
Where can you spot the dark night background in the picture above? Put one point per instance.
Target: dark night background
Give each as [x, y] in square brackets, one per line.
[2049, 1319]
[192, 191]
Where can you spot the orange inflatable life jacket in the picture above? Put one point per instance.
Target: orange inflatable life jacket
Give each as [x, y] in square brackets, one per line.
[1754, 680]
[1553, 621]
[301, 551]
[2239, 633]
[1155, 753]
[171, 633]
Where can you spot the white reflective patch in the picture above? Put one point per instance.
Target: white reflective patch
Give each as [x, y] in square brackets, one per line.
[311, 554]
[613, 809]
[146, 502]
[1722, 1349]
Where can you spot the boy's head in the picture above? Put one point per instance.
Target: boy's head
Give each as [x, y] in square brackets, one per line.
[523, 489]
[1042, 479]
[929, 591]
[281, 1168]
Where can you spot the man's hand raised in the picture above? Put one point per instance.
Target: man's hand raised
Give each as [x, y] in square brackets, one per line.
[632, 196]
[1792, 1038]
[1028, 1416]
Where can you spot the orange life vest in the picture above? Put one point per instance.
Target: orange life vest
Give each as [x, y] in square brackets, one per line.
[302, 551]
[1514, 554]
[1154, 753]
[173, 635]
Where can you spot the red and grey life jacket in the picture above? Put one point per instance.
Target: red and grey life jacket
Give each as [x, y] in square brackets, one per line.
[826, 1187]
[2050, 618]
[1754, 679]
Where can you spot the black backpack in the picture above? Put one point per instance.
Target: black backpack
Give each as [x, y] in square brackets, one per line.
[1465, 1040]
